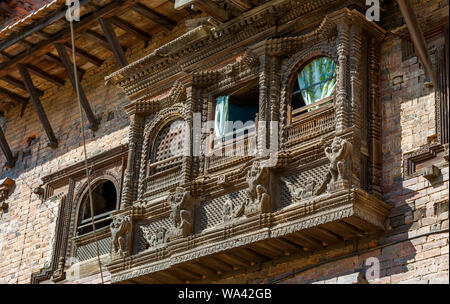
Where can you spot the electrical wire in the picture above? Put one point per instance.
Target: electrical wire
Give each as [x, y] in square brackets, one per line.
[77, 89]
[293, 274]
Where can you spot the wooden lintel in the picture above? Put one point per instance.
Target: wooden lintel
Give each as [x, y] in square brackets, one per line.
[14, 98]
[234, 260]
[154, 16]
[44, 75]
[126, 26]
[85, 55]
[10, 160]
[113, 42]
[83, 99]
[23, 70]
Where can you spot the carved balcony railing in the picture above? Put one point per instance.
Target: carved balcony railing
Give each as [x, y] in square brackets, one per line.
[85, 245]
[163, 175]
[307, 125]
[232, 151]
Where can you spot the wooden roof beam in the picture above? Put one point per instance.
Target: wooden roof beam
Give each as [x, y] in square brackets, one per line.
[97, 38]
[417, 38]
[54, 59]
[44, 75]
[83, 99]
[10, 159]
[113, 42]
[86, 21]
[126, 26]
[17, 83]
[23, 70]
[154, 16]
[14, 98]
[85, 55]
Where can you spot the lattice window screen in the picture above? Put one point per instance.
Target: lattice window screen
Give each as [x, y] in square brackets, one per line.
[170, 142]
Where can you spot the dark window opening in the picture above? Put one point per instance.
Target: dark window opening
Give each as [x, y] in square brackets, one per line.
[236, 114]
[104, 201]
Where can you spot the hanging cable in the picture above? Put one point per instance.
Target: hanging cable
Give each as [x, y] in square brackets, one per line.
[77, 89]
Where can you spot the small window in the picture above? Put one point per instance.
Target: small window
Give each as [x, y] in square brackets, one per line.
[169, 146]
[104, 202]
[236, 114]
[315, 85]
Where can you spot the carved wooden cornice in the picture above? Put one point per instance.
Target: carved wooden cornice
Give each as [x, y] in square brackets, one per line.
[145, 106]
[205, 41]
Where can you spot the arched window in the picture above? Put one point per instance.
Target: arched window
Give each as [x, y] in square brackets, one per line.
[104, 201]
[314, 86]
[169, 146]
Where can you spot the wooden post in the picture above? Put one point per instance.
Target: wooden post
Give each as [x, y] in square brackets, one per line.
[113, 42]
[53, 142]
[10, 160]
[84, 101]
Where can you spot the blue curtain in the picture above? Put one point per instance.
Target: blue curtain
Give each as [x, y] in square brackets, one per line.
[221, 116]
[317, 80]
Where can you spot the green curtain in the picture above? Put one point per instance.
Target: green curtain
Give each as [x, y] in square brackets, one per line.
[221, 117]
[317, 80]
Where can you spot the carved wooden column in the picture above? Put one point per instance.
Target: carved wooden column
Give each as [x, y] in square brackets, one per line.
[274, 95]
[342, 93]
[132, 173]
[263, 116]
[374, 136]
[187, 158]
[356, 93]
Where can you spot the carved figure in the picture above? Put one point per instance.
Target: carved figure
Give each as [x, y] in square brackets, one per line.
[120, 227]
[299, 193]
[337, 154]
[155, 239]
[258, 198]
[181, 214]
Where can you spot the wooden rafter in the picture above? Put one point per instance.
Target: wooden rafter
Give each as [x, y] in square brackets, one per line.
[14, 98]
[97, 38]
[126, 26]
[113, 42]
[85, 55]
[10, 160]
[417, 38]
[154, 16]
[44, 75]
[17, 83]
[55, 59]
[23, 70]
[84, 101]
[84, 24]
